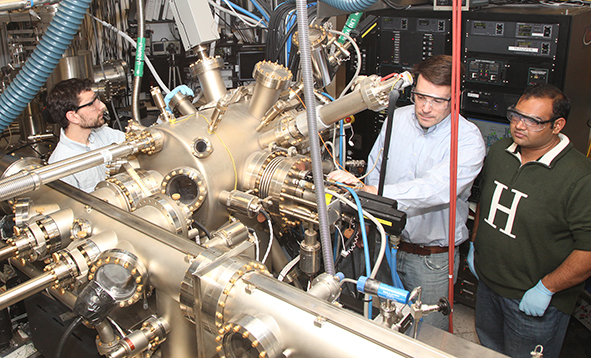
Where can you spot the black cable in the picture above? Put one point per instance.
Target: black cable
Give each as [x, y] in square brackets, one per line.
[18, 132]
[114, 110]
[290, 33]
[395, 6]
[27, 145]
[69, 330]
[202, 228]
[393, 97]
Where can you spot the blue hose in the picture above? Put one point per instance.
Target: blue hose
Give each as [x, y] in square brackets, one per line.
[364, 238]
[348, 5]
[43, 61]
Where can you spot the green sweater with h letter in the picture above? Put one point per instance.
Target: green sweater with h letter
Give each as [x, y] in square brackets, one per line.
[532, 217]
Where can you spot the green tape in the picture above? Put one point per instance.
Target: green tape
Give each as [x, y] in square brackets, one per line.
[350, 24]
[138, 69]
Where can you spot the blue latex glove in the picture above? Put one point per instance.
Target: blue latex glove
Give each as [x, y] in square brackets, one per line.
[536, 300]
[470, 260]
[182, 89]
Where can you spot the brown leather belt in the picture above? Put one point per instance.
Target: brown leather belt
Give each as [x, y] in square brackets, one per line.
[420, 249]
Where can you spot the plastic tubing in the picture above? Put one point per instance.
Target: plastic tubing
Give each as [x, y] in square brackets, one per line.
[348, 5]
[245, 12]
[364, 237]
[57, 38]
[380, 230]
[261, 10]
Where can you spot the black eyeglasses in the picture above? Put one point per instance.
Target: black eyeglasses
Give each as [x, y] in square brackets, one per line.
[532, 123]
[92, 102]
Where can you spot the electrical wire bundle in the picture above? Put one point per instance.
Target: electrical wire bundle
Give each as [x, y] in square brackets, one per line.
[106, 43]
[282, 26]
[248, 18]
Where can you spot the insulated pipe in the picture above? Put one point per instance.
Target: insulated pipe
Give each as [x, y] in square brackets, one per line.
[138, 70]
[43, 61]
[310, 99]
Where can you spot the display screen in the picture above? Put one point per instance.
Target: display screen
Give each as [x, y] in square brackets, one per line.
[246, 63]
[480, 25]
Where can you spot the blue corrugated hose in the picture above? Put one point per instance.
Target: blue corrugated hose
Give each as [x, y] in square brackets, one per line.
[43, 61]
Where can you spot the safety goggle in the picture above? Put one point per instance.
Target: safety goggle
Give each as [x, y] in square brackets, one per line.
[532, 123]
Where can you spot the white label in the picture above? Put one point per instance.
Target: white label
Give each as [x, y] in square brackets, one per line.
[523, 49]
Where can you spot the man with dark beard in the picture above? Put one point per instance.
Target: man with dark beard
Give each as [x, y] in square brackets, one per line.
[79, 111]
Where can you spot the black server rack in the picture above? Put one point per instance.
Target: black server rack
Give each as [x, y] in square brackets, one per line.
[506, 49]
[400, 40]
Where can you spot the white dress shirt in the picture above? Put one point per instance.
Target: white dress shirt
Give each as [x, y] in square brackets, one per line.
[418, 174]
[86, 180]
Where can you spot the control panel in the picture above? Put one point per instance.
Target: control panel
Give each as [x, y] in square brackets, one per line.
[502, 57]
[506, 49]
[401, 35]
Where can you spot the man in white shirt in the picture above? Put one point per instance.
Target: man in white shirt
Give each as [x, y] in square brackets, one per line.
[79, 111]
[417, 176]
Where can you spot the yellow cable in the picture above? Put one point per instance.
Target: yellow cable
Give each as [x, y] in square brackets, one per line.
[371, 28]
[174, 121]
[301, 101]
[229, 153]
[395, 82]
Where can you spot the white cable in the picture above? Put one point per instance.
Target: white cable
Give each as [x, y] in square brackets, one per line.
[256, 245]
[134, 44]
[334, 161]
[349, 280]
[358, 69]
[380, 228]
[341, 235]
[231, 11]
[270, 240]
[374, 165]
[288, 268]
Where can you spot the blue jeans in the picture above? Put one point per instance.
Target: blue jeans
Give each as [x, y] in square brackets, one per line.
[501, 326]
[431, 273]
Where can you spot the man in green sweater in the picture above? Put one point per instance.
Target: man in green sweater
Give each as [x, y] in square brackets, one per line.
[532, 243]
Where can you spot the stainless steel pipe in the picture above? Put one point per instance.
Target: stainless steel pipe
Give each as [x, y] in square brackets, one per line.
[7, 252]
[24, 182]
[26, 289]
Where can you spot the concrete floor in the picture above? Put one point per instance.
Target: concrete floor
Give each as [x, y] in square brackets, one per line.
[463, 322]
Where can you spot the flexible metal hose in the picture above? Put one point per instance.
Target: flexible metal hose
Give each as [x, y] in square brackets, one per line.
[310, 100]
[138, 71]
[348, 5]
[22, 183]
[43, 61]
